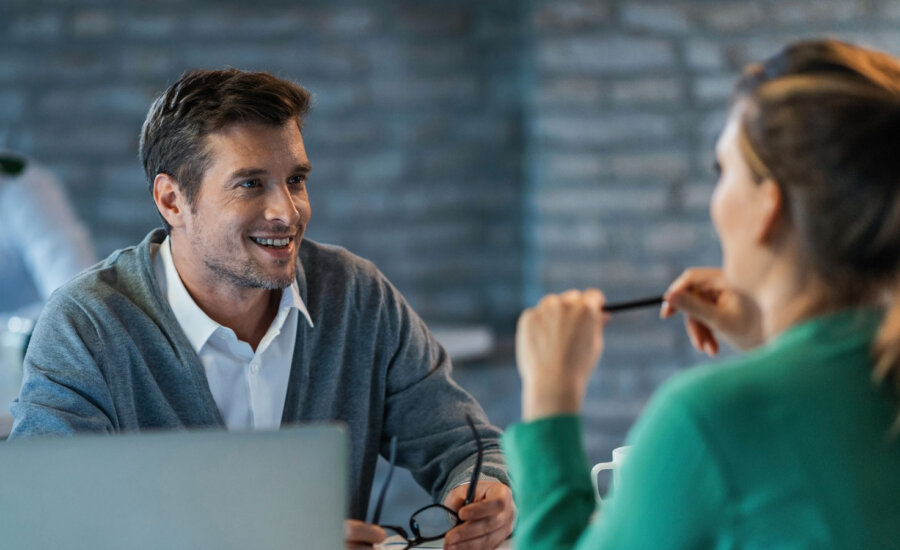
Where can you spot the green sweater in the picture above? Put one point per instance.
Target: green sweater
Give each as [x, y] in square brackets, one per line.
[784, 447]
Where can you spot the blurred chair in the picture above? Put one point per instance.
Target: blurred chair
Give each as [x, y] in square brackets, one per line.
[42, 245]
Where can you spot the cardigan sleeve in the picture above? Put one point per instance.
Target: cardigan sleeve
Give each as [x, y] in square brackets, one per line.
[63, 390]
[426, 409]
[670, 493]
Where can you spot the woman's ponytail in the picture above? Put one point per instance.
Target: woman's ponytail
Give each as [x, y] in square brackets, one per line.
[887, 351]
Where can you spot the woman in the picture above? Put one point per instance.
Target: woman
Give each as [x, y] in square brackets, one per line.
[790, 444]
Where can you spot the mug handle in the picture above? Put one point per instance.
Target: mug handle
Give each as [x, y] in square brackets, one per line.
[595, 471]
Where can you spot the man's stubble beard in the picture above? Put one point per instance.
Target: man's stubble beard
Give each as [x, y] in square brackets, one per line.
[247, 273]
[250, 275]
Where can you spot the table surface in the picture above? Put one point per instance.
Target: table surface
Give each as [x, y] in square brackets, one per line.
[397, 542]
[6, 422]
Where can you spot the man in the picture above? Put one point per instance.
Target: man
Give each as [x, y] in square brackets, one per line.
[224, 318]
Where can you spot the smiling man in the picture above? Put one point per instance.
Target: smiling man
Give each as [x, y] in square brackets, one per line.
[229, 317]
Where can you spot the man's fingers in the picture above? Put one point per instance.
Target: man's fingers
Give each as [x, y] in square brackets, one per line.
[457, 497]
[482, 509]
[480, 530]
[454, 502]
[358, 532]
[491, 498]
[491, 540]
[487, 522]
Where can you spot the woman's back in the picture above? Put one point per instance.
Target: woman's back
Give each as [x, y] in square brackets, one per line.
[795, 448]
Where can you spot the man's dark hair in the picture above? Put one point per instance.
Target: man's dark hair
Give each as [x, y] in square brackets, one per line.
[173, 138]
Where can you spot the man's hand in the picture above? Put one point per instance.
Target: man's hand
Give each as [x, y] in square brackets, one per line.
[359, 535]
[488, 521]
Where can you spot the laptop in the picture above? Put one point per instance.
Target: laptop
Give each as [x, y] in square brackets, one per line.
[176, 490]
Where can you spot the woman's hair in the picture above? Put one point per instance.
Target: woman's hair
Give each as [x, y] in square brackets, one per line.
[822, 119]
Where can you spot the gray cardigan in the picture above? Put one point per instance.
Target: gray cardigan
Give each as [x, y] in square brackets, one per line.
[108, 355]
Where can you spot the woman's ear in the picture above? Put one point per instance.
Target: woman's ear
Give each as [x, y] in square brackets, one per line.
[169, 199]
[771, 211]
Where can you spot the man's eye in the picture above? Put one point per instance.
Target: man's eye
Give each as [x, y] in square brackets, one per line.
[297, 180]
[250, 183]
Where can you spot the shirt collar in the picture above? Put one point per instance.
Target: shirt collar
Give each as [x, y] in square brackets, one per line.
[293, 299]
[197, 325]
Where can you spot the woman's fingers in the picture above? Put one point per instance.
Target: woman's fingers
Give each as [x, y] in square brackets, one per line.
[702, 306]
[715, 310]
[702, 338]
[558, 344]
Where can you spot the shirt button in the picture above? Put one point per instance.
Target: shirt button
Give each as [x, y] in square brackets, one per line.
[254, 368]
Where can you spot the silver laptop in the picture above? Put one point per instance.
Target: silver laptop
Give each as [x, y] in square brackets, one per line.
[176, 490]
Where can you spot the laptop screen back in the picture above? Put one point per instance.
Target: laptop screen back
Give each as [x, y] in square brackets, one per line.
[173, 490]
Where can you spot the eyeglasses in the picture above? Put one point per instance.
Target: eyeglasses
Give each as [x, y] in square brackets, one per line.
[11, 165]
[430, 522]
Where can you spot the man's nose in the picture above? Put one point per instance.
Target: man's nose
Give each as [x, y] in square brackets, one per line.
[280, 206]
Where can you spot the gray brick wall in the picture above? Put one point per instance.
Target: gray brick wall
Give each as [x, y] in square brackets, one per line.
[415, 137]
[482, 153]
[625, 103]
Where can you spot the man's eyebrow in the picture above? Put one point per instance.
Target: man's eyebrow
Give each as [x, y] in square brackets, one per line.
[247, 173]
[242, 173]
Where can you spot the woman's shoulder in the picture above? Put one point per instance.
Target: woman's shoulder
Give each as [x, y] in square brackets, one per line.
[784, 374]
[723, 380]
[739, 397]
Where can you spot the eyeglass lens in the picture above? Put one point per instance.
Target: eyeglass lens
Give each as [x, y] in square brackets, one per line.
[433, 522]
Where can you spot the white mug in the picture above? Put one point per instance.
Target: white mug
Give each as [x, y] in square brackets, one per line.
[618, 458]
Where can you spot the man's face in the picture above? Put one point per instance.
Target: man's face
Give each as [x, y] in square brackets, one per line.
[245, 227]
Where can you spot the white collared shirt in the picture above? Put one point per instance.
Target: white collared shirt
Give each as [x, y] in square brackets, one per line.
[249, 388]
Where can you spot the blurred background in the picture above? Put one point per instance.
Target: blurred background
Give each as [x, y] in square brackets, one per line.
[481, 153]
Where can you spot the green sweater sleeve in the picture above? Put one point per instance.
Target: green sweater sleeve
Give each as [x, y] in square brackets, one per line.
[550, 481]
[671, 493]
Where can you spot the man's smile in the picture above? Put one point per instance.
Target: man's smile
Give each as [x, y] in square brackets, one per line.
[273, 243]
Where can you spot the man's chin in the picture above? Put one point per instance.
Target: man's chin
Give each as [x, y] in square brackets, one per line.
[256, 278]
[280, 274]
[275, 281]
[278, 284]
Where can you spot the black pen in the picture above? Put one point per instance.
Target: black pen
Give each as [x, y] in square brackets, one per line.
[633, 304]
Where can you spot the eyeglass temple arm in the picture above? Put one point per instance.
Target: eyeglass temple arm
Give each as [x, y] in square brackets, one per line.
[476, 473]
[376, 516]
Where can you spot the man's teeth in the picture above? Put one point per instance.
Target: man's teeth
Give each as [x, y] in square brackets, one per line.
[272, 242]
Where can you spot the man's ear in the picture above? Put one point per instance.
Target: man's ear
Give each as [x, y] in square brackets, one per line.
[771, 211]
[169, 199]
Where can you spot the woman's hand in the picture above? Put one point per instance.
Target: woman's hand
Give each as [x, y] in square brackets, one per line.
[713, 310]
[558, 344]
